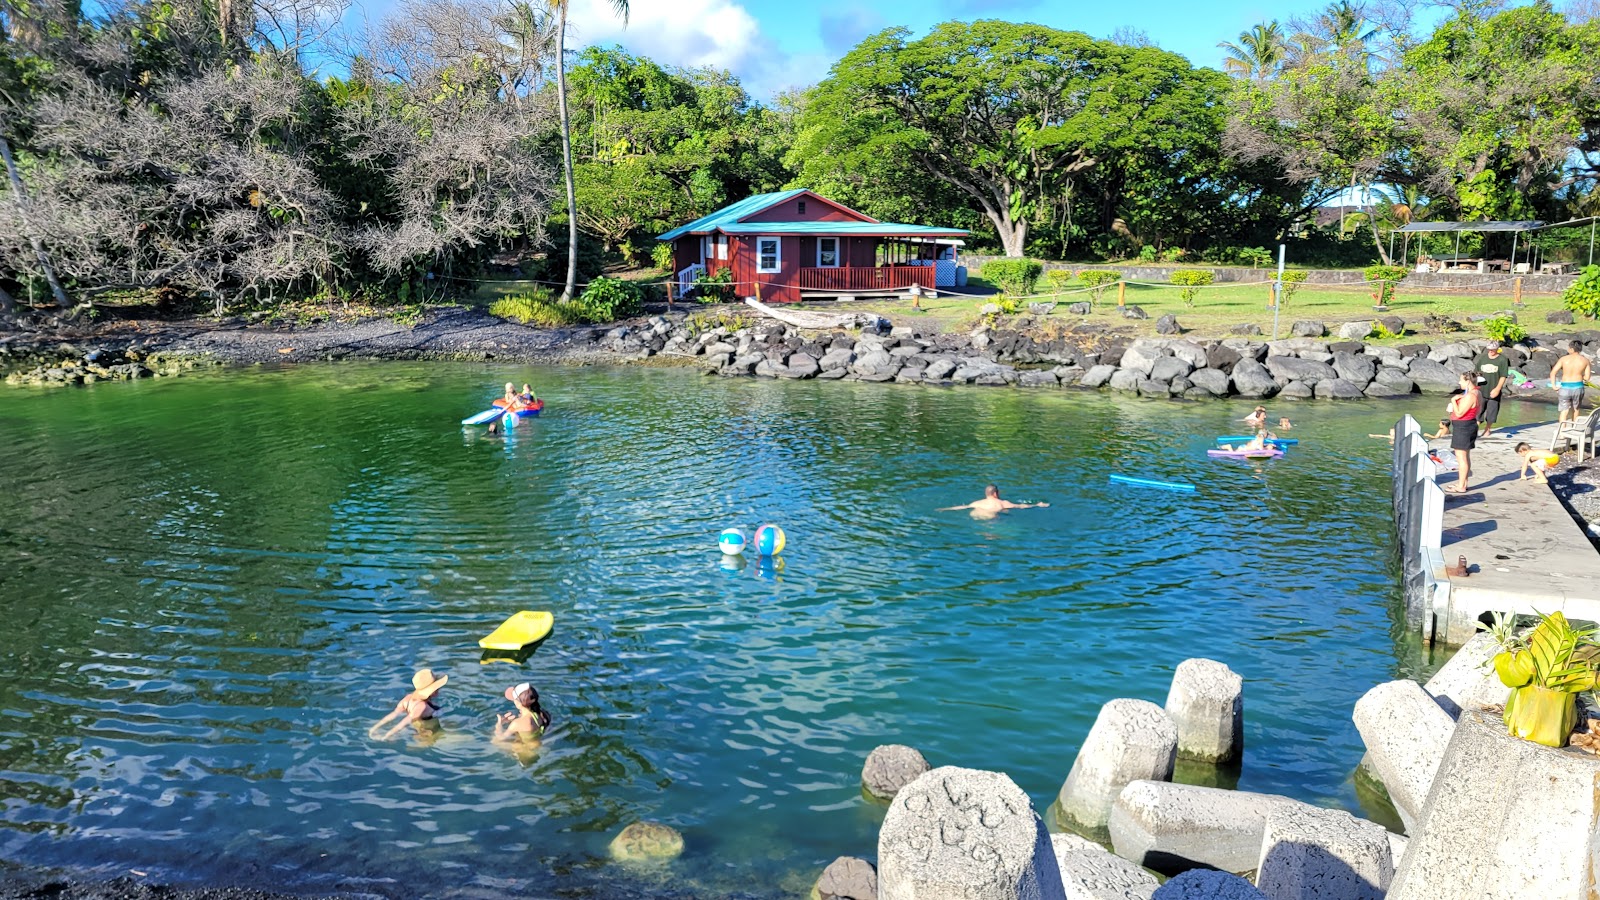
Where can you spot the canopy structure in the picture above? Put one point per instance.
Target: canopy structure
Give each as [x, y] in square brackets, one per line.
[1517, 229]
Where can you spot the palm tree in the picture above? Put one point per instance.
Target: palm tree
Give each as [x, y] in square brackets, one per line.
[1340, 28]
[1258, 54]
[620, 7]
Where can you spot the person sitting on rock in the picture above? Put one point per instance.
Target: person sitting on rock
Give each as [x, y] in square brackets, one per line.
[417, 706]
[991, 505]
[528, 723]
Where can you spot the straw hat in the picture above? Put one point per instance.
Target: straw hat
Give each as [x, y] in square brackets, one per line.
[423, 684]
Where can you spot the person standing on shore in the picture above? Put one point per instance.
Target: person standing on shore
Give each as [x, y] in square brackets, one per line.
[1568, 377]
[1462, 410]
[1493, 369]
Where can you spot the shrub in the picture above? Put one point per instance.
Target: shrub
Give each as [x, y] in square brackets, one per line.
[1289, 283]
[1058, 280]
[1583, 295]
[1172, 254]
[1147, 253]
[536, 308]
[1192, 280]
[610, 299]
[1013, 276]
[1257, 257]
[716, 287]
[662, 256]
[1098, 280]
[1505, 330]
[1384, 278]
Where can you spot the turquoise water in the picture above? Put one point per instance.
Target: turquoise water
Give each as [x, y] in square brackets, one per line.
[214, 585]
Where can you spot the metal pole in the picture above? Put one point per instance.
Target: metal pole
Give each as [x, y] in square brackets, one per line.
[1591, 243]
[1277, 294]
[1514, 237]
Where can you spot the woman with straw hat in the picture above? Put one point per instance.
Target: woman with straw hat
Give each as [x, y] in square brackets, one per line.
[416, 706]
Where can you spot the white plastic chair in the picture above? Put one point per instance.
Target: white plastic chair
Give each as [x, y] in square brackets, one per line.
[1521, 269]
[1583, 431]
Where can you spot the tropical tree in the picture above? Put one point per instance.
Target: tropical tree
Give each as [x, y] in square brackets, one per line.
[620, 7]
[1258, 53]
[1338, 28]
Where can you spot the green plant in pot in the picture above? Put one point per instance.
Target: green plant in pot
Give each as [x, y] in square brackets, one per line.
[1546, 673]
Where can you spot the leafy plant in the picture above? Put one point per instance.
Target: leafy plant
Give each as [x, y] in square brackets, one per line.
[1382, 332]
[537, 308]
[1013, 276]
[1009, 306]
[1257, 257]
[1098, 280]
[1192, 280]
[1583, 295]
[661, 256]
[1172, 254]
[1384, 278]
[715, 287]
[700, 323]
[1545, 674]
[1057, 280]
[1289, 283]
[610, 299]
[408, 316]
[1505, 330]
[1147, 253]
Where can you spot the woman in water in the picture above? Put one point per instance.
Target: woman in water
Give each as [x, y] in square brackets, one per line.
[417, 706]
[528, 723]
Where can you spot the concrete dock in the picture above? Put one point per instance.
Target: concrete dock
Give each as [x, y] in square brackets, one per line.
[1524, 551]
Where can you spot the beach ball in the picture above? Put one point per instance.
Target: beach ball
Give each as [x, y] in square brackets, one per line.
[769, 540]
[731, 541]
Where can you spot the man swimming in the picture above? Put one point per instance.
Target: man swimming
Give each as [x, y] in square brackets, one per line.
[991, 505]
[1568, 376]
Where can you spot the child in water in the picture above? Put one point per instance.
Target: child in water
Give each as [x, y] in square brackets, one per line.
[417, 706]
[1537, 460]
[528, 723]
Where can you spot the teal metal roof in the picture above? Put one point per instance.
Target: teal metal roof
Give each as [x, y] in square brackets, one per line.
[730, 214]
[883, 229]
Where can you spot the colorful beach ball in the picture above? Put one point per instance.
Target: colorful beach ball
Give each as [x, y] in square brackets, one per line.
[769, 540]
[731, 541]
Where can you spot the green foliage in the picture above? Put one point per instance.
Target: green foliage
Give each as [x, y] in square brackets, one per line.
[700, 323]
[661, 257]
[1382, 279]
[1013, 276]
[537, 308]
[1289, 284]
[610, 299]
[550, 267]
[408, 316]
[1583, 295]
[1147, 253]
[1505, 330]
[1192, 280]
[715, 287]
[1381, 332]
[1058, 280]
[1545, 671]
[1173, 254]
[1098, 280]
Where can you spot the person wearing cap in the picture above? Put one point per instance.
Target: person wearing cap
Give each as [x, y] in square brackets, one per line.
[528, 723]
[1493, 369]
[417, 706]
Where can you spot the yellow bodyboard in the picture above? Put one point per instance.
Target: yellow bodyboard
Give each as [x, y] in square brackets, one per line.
[519, 631]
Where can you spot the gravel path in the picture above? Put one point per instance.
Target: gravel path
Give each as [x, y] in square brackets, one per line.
[1578, 486]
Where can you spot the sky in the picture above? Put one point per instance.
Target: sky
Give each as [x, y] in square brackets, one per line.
[773, 45]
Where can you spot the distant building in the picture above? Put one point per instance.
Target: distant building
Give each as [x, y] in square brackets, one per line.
[793, 244]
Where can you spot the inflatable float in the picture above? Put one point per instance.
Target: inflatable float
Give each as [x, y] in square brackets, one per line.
[521, 410]
[484, 418]
[523, 628]
[1151, 482]
[1246, 438]
[1260, 453]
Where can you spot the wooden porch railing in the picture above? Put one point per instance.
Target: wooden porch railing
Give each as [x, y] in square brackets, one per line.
[865, 278]
[686, 278]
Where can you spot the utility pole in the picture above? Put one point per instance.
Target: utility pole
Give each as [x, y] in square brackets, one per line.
[1277, 293]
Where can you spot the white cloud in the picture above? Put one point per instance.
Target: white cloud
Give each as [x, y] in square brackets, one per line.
[718, 33]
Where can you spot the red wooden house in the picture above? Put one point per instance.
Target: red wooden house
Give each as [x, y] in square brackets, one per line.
[793, 244]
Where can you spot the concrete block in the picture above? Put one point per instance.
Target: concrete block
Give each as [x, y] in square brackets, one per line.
[1405, 732]
[1091, 872]
[1323, 854]
[1507, 819]
[1173, 827]
[965, 834]
[1206, 703]
[1130, 740]
[1206, 884]
[1468, 679]
[891, 767]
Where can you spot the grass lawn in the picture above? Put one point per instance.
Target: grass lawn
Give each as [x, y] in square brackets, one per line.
[1219, 307]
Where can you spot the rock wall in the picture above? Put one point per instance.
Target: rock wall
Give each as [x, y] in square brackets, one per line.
[1302, 367]
[1469, 282]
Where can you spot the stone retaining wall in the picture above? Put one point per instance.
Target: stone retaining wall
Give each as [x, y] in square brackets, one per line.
[1466, 282]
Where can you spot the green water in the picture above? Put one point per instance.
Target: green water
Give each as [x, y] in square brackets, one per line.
[213, 585]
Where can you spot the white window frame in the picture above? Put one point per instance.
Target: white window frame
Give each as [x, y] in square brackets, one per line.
[722, 246]
[705, 248]
[835, 263]
[777, 254]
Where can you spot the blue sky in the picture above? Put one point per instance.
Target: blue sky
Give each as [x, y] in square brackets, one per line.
[778, 44]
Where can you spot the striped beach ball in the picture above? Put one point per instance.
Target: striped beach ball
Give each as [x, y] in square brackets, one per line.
[731, 541]
[769, 540]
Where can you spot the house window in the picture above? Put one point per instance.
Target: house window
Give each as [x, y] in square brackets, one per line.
[768, 258]
[802, 207]
[828, 252]
[722, 246]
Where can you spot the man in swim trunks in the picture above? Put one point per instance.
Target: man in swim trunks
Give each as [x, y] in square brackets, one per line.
[1568, 377]
[1493, 369]
[991, 505]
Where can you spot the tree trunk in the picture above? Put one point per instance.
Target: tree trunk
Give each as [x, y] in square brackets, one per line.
[1377, 241]
[566, 157]
[39, 253]
[1013, 234]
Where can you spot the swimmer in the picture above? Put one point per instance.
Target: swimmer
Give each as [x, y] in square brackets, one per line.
[1257, 418]
[1284, 424]
[512, 399]
[1442, 433]
[1537, 460]
[528, 723]
[991, 505]
[417, 706]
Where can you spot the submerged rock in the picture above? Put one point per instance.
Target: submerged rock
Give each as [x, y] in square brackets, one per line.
[646, 842]
[891, 767]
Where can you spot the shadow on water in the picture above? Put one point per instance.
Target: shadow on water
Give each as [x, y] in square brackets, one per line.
[215, 585]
